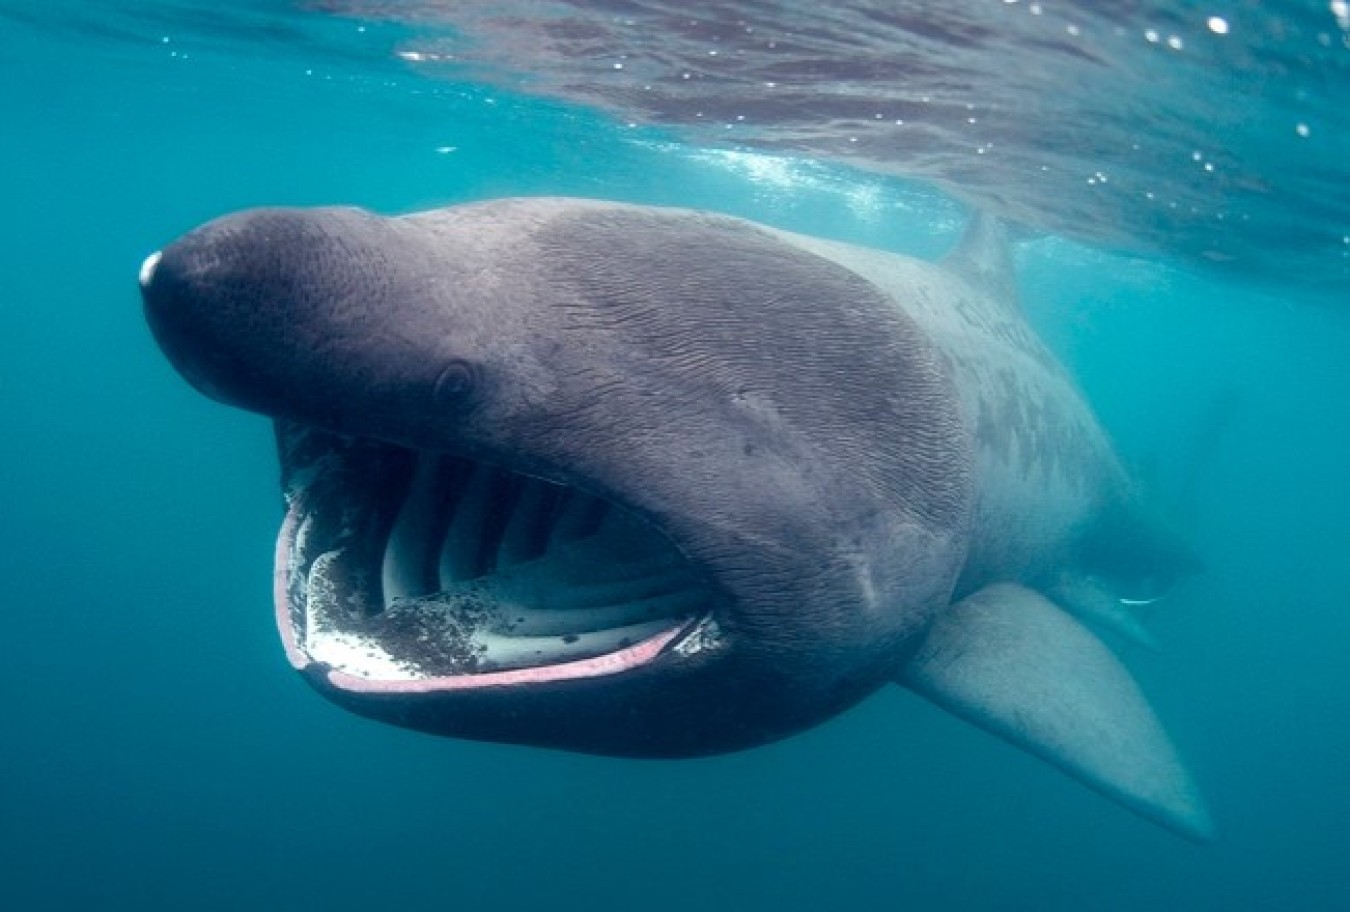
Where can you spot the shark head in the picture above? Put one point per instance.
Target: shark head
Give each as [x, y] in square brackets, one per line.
[622, 480]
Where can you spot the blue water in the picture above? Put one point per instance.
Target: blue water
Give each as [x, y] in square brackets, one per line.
[156, 752]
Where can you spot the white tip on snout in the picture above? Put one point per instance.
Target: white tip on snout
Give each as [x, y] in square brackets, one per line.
[148, 268]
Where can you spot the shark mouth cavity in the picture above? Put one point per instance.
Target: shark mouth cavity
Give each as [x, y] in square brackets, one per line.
[407, 571]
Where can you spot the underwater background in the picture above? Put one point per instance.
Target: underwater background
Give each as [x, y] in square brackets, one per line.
[157, 752]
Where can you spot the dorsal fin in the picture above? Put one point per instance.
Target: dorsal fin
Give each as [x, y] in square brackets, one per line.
[983, 257]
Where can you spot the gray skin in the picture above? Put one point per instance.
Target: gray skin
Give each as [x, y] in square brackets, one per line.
[869, 464]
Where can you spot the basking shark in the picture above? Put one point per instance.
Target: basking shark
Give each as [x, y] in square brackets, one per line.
[660, 482]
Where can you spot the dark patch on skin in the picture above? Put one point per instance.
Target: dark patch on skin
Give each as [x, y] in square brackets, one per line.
[1024, 433]
[432, 635]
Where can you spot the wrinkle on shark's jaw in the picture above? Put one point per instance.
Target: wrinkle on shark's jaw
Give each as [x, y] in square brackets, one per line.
[404, 571]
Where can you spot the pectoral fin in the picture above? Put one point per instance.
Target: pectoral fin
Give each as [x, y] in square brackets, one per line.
[1009, 661]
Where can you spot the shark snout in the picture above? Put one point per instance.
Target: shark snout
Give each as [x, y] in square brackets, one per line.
[291, 313]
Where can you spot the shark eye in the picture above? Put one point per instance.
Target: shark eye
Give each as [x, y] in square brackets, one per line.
[456, 384]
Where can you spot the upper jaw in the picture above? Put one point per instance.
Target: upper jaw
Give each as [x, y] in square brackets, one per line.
[399, 571]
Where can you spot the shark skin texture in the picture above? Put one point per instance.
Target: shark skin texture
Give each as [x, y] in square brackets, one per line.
[660, 482]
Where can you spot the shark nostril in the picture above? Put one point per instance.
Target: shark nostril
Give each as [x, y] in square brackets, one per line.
[147, 272]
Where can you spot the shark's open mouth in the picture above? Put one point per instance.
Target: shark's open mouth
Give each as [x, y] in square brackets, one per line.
[399, 570]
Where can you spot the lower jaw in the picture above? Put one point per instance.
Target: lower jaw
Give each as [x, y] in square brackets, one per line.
[623, 660]
[691, 696]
